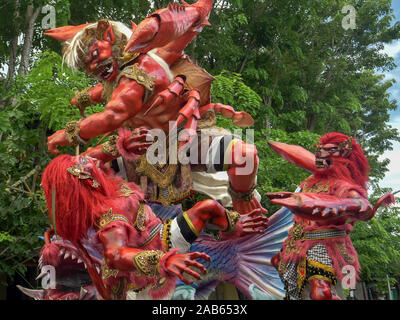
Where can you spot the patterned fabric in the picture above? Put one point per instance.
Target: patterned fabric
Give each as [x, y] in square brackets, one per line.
[295, 275]
[319, 254]
[325, 234]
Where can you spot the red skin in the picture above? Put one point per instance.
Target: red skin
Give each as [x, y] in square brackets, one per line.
[125, 108]
[95, 94]
[318, 208]
[325, 209]
[321, 290]
[119, 256]
[176, 27]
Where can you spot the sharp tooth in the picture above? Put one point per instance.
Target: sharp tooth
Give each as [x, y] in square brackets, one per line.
[85, 265]
[79, 260]
[35, 294]
[98, 269]
[83, 293]
[66, 255]
[62, 251]
[73, 257]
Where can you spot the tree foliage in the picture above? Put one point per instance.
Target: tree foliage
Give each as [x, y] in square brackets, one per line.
[289, 63]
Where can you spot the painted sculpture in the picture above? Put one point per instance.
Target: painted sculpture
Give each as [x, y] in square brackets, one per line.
[147, 81]
[330, 201]
[102, 222]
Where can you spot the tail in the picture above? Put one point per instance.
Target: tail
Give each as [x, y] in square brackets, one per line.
[246, 262]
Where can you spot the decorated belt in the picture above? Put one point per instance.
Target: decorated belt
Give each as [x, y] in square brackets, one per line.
[298, 233]
[324, 234]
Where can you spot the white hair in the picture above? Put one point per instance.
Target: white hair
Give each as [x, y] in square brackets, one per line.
[73, 46]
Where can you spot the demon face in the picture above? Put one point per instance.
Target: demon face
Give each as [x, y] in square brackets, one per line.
[329, 152]
[102, 64]
[325, 154]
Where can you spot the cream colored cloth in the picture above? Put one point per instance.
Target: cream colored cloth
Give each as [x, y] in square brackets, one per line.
[215, 186]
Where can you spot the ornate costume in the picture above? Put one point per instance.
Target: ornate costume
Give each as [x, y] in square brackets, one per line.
[146, 82]
[329, 202]
[124, 245]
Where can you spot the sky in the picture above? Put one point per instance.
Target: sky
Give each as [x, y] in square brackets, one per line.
[392, 178]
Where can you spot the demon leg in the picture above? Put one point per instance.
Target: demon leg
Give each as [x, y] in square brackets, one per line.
[321, 289]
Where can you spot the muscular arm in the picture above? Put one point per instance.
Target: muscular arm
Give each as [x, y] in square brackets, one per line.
[95, 95]
[125, 102]
[118, 256]
[315, 206]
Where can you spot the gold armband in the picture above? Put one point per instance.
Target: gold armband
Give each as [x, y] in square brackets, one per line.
[148, 262]
[241, 196]
[72, 133]
[110, 147]
[232, 217]
[83, 99]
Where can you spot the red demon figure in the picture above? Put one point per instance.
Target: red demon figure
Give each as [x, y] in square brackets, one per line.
[146, 82]
[104, 216]
[331, 200]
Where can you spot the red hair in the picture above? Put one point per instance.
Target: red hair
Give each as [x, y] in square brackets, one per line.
[78, 204]
[353, 168]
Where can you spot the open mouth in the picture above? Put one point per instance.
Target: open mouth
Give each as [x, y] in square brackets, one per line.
[322, 163]
[73, 281]
[105, 71]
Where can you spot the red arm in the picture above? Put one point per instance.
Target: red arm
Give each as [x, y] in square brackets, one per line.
[98, 153]
[118, 256]
[95, 94]
[315, 206]
[125, 102]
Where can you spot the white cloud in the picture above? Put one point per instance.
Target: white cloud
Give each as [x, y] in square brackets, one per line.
[392, 178]
[392, 49]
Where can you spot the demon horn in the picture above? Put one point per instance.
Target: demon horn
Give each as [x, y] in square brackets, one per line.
[35, 294]
[65, 33]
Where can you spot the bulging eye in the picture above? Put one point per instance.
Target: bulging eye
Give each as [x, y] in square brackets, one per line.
[95, 54]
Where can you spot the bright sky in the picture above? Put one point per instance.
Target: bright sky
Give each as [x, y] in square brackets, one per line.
[392, 179]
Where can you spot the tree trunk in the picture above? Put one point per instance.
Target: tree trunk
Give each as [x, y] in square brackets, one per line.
[312, 122]
[30, 18]
[12, 60]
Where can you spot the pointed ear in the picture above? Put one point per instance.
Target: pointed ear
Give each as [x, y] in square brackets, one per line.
[65, 33]
[134, 25]
[102, 26]
[109, 35]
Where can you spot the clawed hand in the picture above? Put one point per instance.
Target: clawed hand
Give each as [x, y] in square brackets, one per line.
[140, 140]
[254, 222]
[178, 264]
